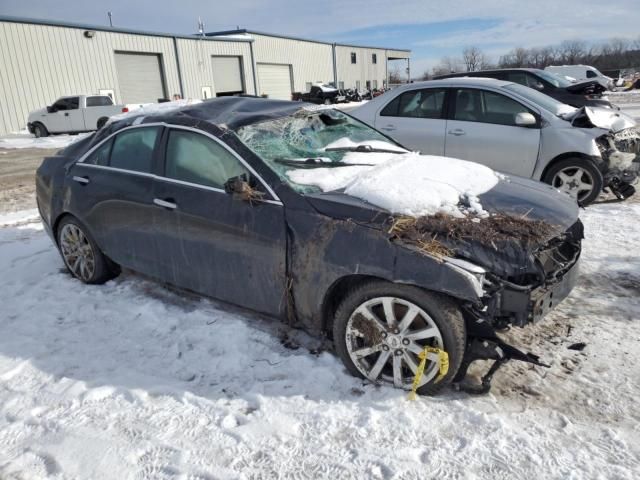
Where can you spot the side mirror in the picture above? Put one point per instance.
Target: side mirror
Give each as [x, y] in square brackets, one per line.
[525, 119]
[239, 186]
[51, 109]
[538, 86]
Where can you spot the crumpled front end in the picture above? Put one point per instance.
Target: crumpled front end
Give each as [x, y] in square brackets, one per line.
[621, 151]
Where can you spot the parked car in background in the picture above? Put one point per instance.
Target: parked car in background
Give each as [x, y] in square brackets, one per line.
[73, 114]
[321, 94]
[580, 94]
[513, 129]
[206, 198]
[580, 73]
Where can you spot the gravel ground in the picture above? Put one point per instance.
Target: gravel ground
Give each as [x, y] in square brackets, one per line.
[17, 177]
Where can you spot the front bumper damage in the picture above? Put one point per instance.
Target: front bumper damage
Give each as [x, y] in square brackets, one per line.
[621, 151]
[517, 304]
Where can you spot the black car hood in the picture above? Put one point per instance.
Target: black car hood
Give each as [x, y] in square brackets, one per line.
[590, 87]
[512, 196]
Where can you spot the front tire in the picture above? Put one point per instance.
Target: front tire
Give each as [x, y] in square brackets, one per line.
[577, 177]
[327, 101]
[39, 130]
[81, 254]
[380, 328]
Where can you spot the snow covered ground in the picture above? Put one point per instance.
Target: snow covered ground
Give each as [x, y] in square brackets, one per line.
[23, 139]
[133, 380]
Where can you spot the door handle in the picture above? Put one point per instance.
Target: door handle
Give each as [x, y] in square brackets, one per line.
[66, 114]
[168, 203]
[388, 128]
[457, 132]
[82, 180]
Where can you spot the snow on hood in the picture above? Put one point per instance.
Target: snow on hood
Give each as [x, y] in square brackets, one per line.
[601, 117]
[406, 184]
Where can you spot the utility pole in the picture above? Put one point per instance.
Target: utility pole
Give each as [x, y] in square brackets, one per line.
[110, 19]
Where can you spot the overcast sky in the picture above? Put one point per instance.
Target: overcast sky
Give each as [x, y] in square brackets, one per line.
[430, 28]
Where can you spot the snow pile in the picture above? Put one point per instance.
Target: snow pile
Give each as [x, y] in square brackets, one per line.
[155, 109]
[130, 380]
[405, 184]
[24, 139]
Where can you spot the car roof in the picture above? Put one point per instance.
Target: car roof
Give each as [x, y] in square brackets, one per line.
[493, 70]
[459, 81]
[223, 112]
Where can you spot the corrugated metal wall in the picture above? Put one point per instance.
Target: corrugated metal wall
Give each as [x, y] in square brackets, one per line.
[41, 63]
[195, 62]
[310, 62]
[364, 69]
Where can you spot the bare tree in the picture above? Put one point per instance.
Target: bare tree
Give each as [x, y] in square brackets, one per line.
[394, 74]
[572, 51]
[447, 65]
[473, 58]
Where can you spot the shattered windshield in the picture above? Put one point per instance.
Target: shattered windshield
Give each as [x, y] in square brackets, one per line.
[322, 138]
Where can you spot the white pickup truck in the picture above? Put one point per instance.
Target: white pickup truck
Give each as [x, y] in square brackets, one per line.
[79, 113]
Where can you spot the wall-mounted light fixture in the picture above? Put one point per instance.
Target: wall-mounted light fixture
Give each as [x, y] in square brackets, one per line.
[89, 33]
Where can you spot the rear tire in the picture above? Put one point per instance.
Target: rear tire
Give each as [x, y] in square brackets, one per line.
[101, 122]
[437, 322]
[327, 101]
[39, 130]
[577, 177]
[81, 254]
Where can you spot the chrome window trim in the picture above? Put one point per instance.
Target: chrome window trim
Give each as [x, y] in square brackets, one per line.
[81, 162]
[233, 153]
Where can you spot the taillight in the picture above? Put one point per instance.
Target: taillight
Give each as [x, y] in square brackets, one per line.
[125, 109]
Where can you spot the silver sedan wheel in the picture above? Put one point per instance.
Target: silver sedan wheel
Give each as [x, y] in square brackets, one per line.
[77, 252]
[575, 181]
[384, 337]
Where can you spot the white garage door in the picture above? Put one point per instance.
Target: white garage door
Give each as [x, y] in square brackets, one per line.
[139, 77]
[227, 75]
[275, 80]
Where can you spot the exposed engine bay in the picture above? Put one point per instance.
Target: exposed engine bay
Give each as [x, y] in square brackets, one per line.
[619, 146]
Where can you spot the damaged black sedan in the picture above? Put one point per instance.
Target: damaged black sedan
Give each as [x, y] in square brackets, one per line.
[294, 211]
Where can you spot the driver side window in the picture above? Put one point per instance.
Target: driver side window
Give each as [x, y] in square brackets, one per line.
[194, 158]
[472, 105]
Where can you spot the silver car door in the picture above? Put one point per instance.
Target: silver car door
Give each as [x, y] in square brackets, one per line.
[482, 128]
[415, 119]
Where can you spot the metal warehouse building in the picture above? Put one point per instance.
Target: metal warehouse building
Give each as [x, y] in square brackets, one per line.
[42, 60]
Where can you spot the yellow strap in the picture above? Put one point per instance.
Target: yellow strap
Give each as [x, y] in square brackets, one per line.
[443, 360]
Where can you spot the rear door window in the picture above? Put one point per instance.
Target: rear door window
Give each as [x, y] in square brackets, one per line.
[426, 103]
[133, 149]
[99, 101]
[194, 158]
[473, 105]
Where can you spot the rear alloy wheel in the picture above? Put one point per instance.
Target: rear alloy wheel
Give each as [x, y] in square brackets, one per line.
[81, 255]
[577, 178]
[327, 101]
[40, 130]
[379, 336]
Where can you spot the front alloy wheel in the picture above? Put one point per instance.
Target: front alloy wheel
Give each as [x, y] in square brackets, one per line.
[380, 328]
[575, 181]
[384, 337]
